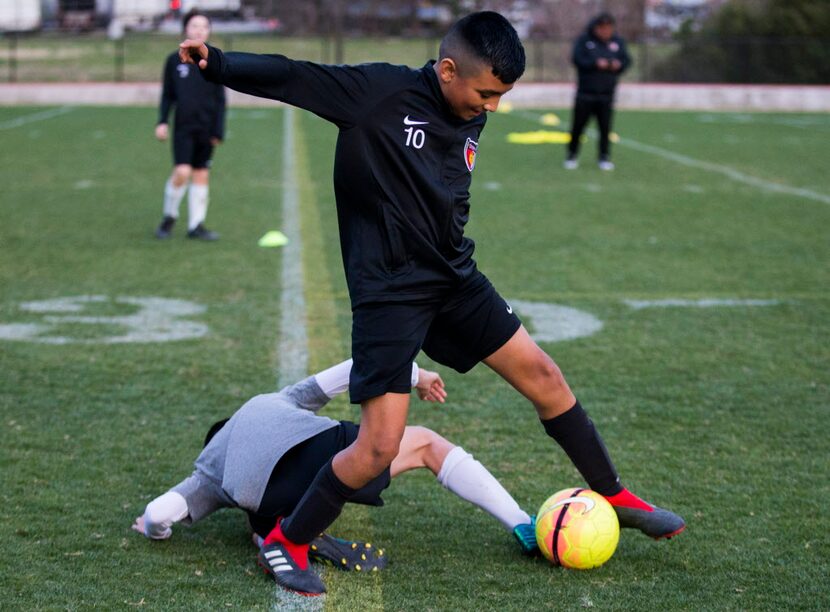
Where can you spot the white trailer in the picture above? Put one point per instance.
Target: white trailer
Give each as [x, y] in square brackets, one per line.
[212, 6]
[133, 13]
[20, 16]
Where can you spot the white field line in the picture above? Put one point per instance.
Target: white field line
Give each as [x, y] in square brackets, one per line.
[292, 349]
[34, 117]
[701, 303]
[735, 175]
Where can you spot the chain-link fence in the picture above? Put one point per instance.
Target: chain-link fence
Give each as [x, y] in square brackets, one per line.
[140, 56]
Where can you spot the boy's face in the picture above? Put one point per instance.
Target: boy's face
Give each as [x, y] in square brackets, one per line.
[472, 93]
[197, 28]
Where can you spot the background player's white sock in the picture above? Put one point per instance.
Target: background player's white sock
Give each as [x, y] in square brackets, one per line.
[467, 478]
[172, 198]
[197, 205]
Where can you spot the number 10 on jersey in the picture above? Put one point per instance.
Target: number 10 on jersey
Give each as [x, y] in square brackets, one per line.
[415, 137]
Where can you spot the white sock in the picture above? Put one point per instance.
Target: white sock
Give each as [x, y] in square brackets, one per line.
[467, 478]
[172, 198]
[197, 205]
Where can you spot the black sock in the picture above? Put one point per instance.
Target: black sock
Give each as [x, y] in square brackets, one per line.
[578, 437]
[318, 508]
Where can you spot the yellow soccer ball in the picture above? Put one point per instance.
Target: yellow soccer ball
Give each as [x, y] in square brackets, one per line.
[577, 528]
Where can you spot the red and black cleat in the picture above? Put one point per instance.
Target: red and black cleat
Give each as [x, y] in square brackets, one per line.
[655, 522]
[287, 563]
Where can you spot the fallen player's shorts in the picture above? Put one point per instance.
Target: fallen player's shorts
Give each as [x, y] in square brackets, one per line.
[192, 148]
[458, 330]
[294, 472]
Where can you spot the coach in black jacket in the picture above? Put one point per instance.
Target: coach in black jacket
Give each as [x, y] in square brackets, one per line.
[600, 58]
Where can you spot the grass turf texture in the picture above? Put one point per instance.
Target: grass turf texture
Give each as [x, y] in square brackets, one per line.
[719, 414]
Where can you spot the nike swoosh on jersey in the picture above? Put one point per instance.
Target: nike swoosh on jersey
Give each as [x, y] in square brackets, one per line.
[408, 121]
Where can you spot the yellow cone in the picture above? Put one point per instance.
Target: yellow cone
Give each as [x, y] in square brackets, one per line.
[274, 238]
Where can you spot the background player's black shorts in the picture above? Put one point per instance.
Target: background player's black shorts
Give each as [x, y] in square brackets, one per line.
[296, 469]
[192, 148]
[457, 330]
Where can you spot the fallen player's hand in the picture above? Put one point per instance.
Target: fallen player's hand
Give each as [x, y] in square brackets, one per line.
[161, 131]
[139, 525]
[430, 387]
[193, 50]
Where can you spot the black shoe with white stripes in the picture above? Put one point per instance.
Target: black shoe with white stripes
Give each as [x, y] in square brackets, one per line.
[275, 560]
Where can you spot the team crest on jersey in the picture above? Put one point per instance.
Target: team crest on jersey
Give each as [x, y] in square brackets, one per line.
[470, 151]
[613, 46]
[184, 70]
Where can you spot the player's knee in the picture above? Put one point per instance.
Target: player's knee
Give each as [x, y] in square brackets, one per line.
[548, 375]
[382, 451]
[181, 174]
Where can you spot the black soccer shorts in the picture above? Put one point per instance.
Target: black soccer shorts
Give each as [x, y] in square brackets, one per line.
[458, 330]
[192, 148]
[297, 468]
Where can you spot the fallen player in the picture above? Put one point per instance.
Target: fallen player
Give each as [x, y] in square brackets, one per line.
[264, 458]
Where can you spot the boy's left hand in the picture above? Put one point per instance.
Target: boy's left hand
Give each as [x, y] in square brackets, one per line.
[430, 387]
[192, 50]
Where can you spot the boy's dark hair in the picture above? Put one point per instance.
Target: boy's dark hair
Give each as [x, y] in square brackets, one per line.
[214, 429]
[194, 12]
[489, 38]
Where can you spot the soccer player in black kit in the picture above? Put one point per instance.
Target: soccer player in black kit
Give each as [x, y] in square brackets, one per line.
[199, 127]
[406, 149]
[600, 57]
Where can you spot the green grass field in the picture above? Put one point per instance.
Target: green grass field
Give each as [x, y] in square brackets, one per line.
[720, 412]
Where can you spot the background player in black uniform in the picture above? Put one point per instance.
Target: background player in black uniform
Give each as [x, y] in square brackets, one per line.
[405, 154]
[199, 126]
[600, 58]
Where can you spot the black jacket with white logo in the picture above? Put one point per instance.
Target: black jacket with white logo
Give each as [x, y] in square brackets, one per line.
[588, 48]
[200, 105]
[402, 167]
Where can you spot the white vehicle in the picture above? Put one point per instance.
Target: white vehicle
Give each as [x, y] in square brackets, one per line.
[20, 16]
[212, 6]
[132, 13]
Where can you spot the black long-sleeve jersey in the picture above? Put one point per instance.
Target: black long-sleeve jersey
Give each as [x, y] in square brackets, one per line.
[200, 104]
[402, 167]
[588, 48]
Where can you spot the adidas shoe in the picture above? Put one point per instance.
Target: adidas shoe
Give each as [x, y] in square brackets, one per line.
[346, 555]
[165, 228]
[288, 564]
[571, 164]
[200, 232]
[525, 535]
[606, 165]
[655, 522]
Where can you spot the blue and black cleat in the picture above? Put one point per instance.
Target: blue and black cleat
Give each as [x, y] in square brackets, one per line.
[525, 535]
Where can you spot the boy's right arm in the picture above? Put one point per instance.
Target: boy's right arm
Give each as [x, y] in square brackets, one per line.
[335, 93]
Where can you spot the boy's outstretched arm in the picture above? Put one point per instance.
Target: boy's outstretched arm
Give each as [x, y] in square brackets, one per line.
[336, 93]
